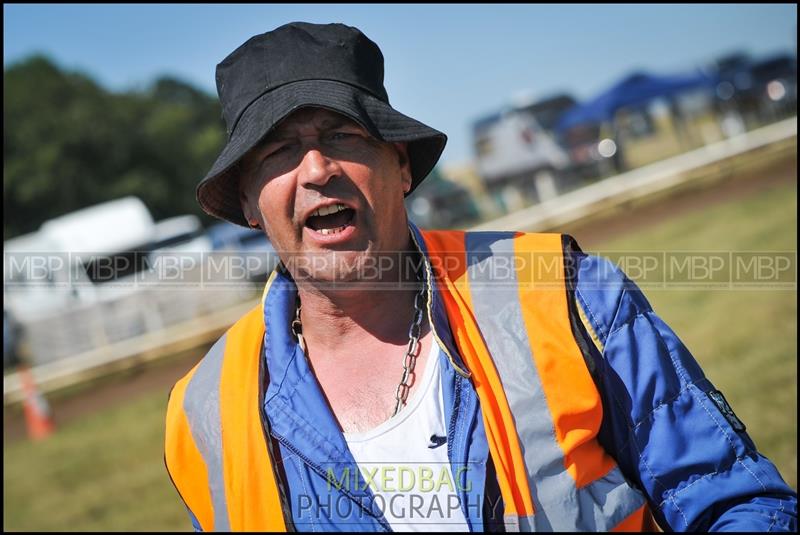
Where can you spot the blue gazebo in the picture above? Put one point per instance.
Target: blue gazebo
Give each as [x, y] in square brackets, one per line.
[637, 88]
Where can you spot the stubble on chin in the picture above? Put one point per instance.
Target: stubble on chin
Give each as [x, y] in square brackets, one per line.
[333, 269]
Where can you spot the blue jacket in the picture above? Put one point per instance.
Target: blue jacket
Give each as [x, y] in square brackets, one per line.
[669, 430]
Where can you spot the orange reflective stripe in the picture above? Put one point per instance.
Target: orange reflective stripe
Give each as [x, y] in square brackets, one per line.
[447, 254]
[250, 486]
[640, 520]
[576, 409]
[185, 465]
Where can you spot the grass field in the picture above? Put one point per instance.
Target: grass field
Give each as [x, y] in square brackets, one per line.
[106, 471]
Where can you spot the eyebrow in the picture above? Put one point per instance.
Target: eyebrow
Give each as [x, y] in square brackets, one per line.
[328, 123]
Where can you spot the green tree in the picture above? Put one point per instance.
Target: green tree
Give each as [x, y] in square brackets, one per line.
[68, 143]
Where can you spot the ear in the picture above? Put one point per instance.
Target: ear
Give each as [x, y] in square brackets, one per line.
[249, 209]
[405, 165]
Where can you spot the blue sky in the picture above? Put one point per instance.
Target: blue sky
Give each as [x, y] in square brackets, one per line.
[446, 64]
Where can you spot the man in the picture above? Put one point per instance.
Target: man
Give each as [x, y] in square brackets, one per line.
[399, 379]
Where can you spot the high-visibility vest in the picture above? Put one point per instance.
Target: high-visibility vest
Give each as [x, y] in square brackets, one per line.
[507, 302]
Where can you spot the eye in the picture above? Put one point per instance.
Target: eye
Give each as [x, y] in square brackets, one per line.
[276, 150]
[338, 136]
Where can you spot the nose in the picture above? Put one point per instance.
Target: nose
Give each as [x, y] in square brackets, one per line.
[316, 168]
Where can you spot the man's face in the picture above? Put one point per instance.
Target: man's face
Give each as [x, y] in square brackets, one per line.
[328, 194]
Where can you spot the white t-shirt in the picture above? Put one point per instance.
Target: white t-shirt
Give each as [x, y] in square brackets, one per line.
[404, 461]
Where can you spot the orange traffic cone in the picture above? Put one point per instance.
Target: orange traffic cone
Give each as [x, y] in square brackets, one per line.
[37, 411]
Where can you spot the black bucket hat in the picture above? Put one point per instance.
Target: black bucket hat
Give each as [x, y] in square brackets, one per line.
[298, 65]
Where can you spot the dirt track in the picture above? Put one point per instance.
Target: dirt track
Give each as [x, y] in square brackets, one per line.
[107, 392]
[590, 234]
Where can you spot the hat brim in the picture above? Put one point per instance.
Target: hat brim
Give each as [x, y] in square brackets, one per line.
[218, 192]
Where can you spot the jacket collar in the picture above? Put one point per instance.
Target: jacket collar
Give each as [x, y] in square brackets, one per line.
[441, 324]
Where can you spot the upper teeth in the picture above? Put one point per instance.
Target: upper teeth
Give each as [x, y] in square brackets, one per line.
[327, 210]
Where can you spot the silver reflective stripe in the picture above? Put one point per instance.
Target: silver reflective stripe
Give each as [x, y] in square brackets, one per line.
[618, 500]
[201, 404]
[559, 505]
[518, 524]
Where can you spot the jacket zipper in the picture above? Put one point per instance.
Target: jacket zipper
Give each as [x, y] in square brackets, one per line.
[318, 471]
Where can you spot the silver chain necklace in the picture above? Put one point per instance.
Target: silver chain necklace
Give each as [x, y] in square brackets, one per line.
[412, 351]
[411, 354]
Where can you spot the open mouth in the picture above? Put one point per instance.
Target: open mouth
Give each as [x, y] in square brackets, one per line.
[331, 219]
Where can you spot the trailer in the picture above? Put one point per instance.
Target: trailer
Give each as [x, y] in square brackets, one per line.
[517, 154]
